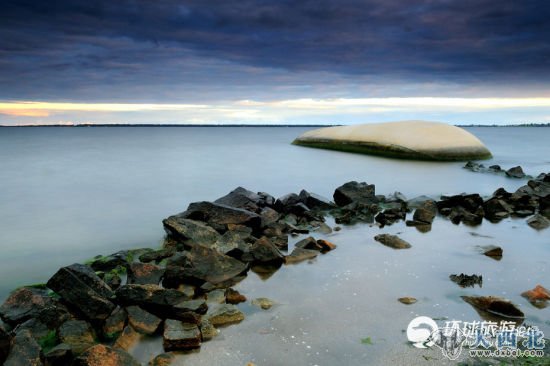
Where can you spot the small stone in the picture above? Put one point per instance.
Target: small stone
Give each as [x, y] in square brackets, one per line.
[208, 331]
[142, 321]
[493, 251]
[300, 255]
[263, 302]
[180, 336]
[392, 241]
[337, 228]
[164, 359]
[407, 300]
[233, 296]
[515, 172]
[224, 314]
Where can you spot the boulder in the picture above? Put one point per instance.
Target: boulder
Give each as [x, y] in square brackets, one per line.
[263, 251]
[178, 336]
[219, 216]
[234, 242]
[202, 264]
[269, 216]
[79, 286]
[144, 273]
[26, 303]
[392, 241]
[78, 334]
[242, 198]
[390, 216]
[190, 232]
[157, 255]
[224, 314]
[114, 324]
[283, 203]
[104, 355]
[515, 172]
[420, 140]
[538, 222]
[142, 321]
[354, 192]
[315, 201]
[24, 351]
[496, 209]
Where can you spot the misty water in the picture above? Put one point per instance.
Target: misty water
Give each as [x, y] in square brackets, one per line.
[68, 194]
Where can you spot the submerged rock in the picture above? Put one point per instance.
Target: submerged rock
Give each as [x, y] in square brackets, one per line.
[407, 300]
[105, 355]
[515, 172]
[224, 314]
[538, 222]
[495, 306]
[392, 241]
[464, 280]
[493, 251]
[315, 201]
[78, 285]
[263, 302]
[404, 139]
[179, 336]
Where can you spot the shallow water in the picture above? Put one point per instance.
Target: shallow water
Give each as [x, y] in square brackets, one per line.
[70, 193]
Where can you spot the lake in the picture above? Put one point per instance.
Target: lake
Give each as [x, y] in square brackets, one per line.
[68, 194]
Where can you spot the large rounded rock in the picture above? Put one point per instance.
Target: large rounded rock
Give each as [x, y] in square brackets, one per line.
[405, 139]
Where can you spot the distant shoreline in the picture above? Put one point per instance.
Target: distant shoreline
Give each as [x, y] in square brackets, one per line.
[242, 125]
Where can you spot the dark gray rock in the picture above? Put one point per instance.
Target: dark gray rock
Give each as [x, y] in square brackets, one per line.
[78, 334]
[515, 172]
[493, 251]
[105, 355]
[28, 302]
[242, 198]
[355, 192]
[315, 201]
[60, 355]
[219, 216]
[426, 212]
[157, 255]
[179, 336]
[263, 251]
[110, 262]
[283, 203]
[392, 241]
[464, 280]
[144, 273]
[142, 321]
[79, 286]
[269, 216]
[202, 264]
[190, 232]
[24, 351]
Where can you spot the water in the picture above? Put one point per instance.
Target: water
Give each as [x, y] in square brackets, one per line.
[68, 194]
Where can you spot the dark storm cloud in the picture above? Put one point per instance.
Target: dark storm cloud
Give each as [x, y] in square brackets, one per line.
[94, 49]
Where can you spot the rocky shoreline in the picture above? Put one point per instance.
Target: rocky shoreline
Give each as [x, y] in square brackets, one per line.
[92, 313]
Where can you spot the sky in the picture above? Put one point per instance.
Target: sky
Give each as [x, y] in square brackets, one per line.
[274, 62]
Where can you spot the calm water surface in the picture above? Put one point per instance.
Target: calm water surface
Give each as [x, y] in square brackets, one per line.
[68, 194]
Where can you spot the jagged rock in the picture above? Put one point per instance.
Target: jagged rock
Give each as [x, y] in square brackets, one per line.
[157, 255]
[60, 355]
[114, 324]
[78, 334]
[233, 296]
[142, 321]
[495, 305]
[464, 280]
[322, 228]
[127, 339]
[144, 273]
[473, 166]
[39, 330]
[493, 251]
[283, 203]
[234, 242]
[300, 255]
[190, 232]
[110, 262]
[355, 192]
[242, 198]
[208, 331]
[515, 172]
[426, 212]
[263, 251]
[219, 216]
[315, 201]
[496, 209]
[392, 241]
[390, 216]
[105, 355]
[263, 302]
[27, 302]
[224, 314]
[418, 201]
[180, 336]
[269, 216]
[202, 264]
[459, 214]
[407, 300]
[112, 278]
[78, 285]
[24, 351]
[538, 222]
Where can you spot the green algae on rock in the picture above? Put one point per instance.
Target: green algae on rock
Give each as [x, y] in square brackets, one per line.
[418, 140]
